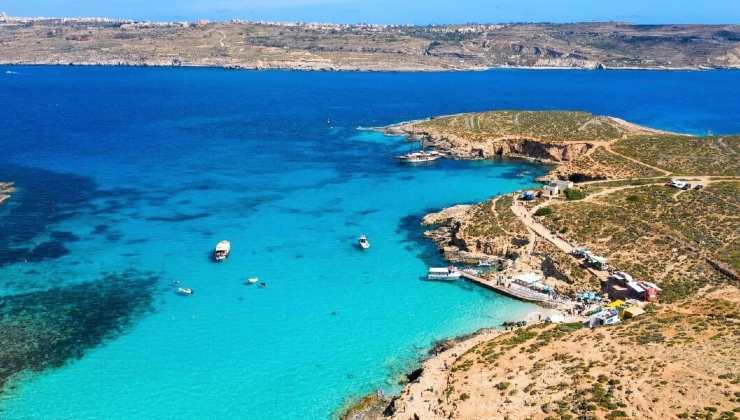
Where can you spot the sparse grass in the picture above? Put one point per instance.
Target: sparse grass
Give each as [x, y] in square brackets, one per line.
[685, 155]
[622, 167]
[659, 236]
[551, 126]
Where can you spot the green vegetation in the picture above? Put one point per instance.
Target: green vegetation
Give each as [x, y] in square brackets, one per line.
[685, 155]
[636, 182]
[502, 385]
[574, 194]
[495, 219]
[551, 126]
[658, 234]
[621, 166]
[543, 211]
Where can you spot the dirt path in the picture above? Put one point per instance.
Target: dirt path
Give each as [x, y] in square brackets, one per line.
[611, 190]
[525, 216]
[538, 229]
[596, 145]
[609, 149]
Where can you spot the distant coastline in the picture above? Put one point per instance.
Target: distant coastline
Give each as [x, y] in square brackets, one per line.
[357, 70]
[240, 44]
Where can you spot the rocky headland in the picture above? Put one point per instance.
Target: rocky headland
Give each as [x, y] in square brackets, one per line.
[686, 240]
[553, 137]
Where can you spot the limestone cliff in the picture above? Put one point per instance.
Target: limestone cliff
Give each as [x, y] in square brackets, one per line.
[578, 144]
[507, 146]
[473, 233]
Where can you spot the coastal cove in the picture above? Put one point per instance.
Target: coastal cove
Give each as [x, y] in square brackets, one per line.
[138, 172]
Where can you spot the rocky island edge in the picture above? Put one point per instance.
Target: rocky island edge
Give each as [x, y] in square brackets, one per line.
[619, 171]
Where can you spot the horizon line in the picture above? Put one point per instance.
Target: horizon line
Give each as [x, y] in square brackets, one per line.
[6, 17]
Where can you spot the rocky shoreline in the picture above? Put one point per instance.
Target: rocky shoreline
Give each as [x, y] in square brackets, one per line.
[376, 406]
[506, 145]
[309, 66]
[447, 228]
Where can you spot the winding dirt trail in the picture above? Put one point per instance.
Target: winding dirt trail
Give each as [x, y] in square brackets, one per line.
[608, 148]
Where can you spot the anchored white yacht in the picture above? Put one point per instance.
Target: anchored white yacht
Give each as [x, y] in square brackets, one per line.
[222, 251]
[420, 157]
[363, 242]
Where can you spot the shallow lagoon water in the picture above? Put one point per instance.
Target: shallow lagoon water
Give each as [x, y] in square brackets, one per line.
[147, 169]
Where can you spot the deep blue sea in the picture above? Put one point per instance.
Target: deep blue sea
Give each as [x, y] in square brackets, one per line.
[145, 169]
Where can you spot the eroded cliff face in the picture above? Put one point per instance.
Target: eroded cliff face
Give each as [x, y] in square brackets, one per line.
[462, 237]
[461, 148]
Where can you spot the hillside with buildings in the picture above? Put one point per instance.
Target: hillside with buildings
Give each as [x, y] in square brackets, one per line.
[307, 46]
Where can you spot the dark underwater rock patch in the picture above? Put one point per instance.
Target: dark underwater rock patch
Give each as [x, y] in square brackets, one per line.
[100, 229]
[47, 251]
[415, 241]
[178, 217]
[45, 330]
[64, 236]
[43, 197]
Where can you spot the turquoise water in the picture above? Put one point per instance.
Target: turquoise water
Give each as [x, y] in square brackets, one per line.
[146, 169]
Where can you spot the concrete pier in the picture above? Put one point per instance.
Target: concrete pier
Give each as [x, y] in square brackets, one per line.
[516, 293]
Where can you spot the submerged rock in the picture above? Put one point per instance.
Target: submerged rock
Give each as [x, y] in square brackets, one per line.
[43, 330]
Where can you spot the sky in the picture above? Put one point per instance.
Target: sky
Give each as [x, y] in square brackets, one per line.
[390, 11]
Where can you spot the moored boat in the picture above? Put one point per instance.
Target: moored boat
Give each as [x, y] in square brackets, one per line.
[184, 291]
[446, 273]
[222, 251]
[363, 242]
[420, 157]
[253, 280]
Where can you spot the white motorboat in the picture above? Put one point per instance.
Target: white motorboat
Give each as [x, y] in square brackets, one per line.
[447, 273]
[222, 251]
[420, 157]
[363, 242]
[184, 291]
[253, 280]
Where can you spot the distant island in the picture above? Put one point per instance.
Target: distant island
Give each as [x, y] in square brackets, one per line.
[336, 47]
[624, 210]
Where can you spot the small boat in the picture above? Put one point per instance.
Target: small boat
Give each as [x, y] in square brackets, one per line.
[184, 291]
[253, 280]
[363, 242]
[420, 157]
[447, 273]
[222, 251]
